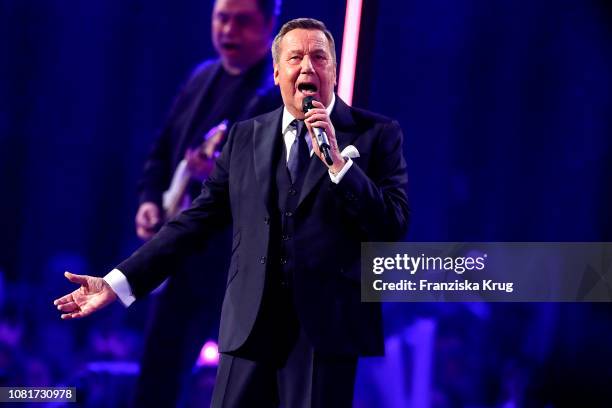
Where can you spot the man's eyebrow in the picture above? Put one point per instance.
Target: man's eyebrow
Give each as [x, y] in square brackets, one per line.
[321, 50]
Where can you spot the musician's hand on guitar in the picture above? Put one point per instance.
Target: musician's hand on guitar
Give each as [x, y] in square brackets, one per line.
[148, 220]
[199, 164]
[201, 160]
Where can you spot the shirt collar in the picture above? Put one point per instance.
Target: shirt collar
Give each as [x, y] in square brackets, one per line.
[288, 117]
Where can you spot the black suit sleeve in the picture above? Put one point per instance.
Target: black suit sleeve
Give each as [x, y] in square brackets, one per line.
[157, 259]
[377, 201]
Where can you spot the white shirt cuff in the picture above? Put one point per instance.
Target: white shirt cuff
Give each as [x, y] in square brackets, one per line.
[335, 178]
[120, 285]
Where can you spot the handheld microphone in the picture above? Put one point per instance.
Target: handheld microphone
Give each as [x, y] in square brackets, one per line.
[320, 135]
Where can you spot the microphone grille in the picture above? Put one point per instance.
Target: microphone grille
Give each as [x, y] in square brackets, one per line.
[307, 104]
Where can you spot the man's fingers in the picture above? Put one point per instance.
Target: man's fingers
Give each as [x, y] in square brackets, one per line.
[75, 315]
[144, 233]
[321, 124]
[78, 279]
[84, 311]
[68, 307]
[145, 223]
[148, 215]
[152, 222]
[316, 115]
[317, 104]
[63, 299]
[151, 218]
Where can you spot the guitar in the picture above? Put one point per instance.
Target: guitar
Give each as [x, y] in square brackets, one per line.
[176, 198]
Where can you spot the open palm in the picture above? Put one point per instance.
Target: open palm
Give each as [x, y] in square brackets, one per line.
[94, 294]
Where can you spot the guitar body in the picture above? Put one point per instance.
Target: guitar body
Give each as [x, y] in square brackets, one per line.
[177, 198]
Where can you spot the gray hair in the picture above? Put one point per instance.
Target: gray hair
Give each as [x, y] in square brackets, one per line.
[307, 24]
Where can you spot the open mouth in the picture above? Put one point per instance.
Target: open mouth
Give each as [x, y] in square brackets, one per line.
[228, 46]
[307, 88]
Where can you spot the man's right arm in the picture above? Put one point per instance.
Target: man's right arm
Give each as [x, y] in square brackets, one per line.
[210, 211]
[156, 259]
[94, 294]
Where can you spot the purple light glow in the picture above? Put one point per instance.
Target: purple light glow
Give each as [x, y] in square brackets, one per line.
[209, 355]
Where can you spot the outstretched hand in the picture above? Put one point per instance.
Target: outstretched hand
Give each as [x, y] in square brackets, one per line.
[94, 294]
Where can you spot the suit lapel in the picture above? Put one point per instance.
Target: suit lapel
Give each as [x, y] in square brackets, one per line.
[266, 130]
[344, 126]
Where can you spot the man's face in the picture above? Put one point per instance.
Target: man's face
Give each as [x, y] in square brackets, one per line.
[240, 33]
[304, 68]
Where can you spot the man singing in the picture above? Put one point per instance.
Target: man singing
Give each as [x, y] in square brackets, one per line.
[292, 323]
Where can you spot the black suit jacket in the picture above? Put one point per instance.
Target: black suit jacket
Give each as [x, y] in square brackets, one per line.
[369, 204]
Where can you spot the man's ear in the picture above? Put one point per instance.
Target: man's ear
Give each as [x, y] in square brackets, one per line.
[275, 74]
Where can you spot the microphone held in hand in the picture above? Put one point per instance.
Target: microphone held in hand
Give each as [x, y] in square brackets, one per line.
[320, 135]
